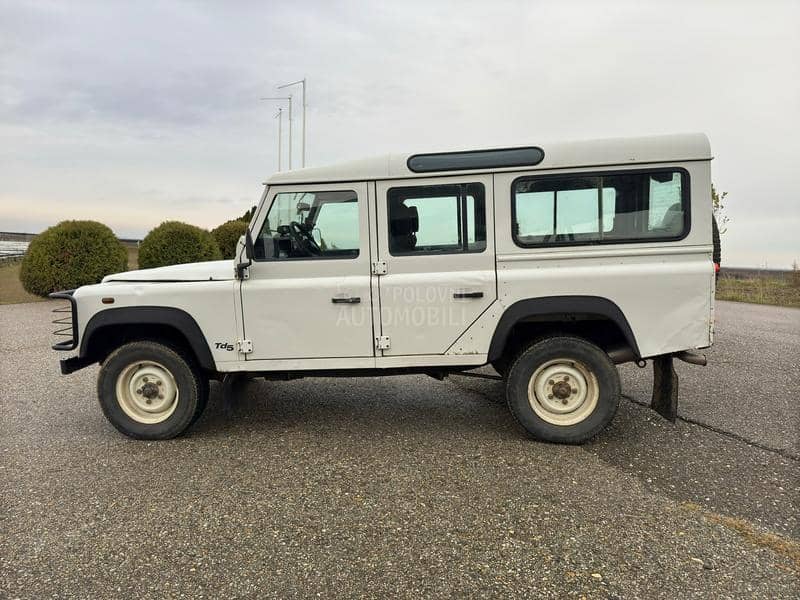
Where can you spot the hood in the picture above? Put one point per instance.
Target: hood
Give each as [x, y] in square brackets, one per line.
[215, 270]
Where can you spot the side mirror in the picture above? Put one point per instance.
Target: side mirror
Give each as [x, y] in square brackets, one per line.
[249, 252]
[303, 207]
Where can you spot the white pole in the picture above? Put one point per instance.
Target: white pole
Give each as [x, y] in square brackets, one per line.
[279, 116]
[290, 132]
[289, 98]
[303, 83]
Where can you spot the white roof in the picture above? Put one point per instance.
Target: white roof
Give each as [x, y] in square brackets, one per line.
[557, 155]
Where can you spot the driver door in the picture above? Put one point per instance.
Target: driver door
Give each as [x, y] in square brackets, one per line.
[308, 293]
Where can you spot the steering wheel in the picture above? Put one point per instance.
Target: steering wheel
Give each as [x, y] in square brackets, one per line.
[304, 240]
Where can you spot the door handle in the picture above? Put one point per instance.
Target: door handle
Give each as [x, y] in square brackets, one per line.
[468, 295]
[346, 300]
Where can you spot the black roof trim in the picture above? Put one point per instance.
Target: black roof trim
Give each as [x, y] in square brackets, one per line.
[475, 159]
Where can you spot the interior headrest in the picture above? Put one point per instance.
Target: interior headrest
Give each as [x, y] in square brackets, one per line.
[405, 220]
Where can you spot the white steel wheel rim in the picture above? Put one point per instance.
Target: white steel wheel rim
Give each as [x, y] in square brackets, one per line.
[147, 392]
[563, 392]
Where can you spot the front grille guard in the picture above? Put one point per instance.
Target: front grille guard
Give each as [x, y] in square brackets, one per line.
[66, 320]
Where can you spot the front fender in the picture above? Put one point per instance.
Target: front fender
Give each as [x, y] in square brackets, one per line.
[164, 316]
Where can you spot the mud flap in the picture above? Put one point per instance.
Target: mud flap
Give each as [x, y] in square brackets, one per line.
[665, 388]
[233, 385]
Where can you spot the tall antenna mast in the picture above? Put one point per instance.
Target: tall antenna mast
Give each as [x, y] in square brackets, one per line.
[303, 83]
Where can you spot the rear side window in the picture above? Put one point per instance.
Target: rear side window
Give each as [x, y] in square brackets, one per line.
[604, 208]
[437, 219]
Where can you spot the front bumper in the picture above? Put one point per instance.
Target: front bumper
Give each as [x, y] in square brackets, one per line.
[67, 323]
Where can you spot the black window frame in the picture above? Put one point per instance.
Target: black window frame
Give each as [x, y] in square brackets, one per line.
[461, 216]
[686, 204]
[308, 258]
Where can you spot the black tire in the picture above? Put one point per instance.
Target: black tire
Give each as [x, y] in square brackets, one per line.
[191, 386]
[202, 399]
[576, 358]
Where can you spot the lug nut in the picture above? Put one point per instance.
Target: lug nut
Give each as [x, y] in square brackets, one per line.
[551, 382]
[566, 378]
[145, 379]
[158, 382]
[549, 396]
[139, 391]
[564, 401]
[148, 401]
[161, 396]
[574, 390]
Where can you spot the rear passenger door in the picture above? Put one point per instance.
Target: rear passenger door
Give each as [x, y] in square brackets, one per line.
[436, 240]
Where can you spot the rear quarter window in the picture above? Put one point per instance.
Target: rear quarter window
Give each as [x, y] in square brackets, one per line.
[613, 207]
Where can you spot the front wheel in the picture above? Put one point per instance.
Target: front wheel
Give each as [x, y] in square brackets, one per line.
[563, 389]
[150, 391]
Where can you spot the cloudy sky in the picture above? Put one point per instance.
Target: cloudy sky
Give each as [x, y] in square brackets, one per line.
[133, 113]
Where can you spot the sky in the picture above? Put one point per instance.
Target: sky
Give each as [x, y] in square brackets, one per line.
[133, 113]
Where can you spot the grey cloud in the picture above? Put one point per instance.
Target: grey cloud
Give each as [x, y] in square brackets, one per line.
[103, 100]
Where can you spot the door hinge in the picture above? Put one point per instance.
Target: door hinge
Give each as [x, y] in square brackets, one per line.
[379, 267]
[382, 342]
[245, 346]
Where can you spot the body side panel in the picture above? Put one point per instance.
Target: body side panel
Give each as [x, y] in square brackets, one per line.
[209, 303]
[664, 289]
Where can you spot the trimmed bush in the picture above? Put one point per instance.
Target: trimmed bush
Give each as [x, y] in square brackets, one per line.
[175, 243]
[227, 235]
[69, 255]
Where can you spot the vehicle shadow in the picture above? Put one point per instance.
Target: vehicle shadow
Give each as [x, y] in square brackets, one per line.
[369, 407]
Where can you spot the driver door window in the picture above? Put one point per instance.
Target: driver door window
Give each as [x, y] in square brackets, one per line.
[309, 225]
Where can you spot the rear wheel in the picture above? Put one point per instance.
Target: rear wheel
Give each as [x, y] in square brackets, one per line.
[563, 389]
[150, 391]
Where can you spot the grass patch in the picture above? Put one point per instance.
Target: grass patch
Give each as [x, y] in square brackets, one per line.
[786, 547]
[133, 257]
[762, 289]
[12, 292]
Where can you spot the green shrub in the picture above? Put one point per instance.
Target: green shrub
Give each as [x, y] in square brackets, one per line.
[227, 235]
[174, 243]
[69, 255]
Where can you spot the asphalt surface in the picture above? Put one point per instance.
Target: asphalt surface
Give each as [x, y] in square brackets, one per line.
[405, 486]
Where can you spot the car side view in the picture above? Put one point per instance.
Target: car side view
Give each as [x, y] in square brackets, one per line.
[551, 263]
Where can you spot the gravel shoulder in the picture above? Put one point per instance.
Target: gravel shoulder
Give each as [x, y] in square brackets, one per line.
[400, 486]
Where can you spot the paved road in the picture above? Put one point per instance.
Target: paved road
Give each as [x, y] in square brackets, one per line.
[403, 486]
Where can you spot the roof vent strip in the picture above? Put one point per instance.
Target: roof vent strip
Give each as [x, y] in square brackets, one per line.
[475, 159]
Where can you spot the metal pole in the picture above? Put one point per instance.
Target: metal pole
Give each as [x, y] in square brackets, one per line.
[289, 98]
[290, 133]
[279, 116]
[303, 83]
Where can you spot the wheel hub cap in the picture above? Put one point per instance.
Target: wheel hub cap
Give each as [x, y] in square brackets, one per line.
[147, 392]
[563, 392]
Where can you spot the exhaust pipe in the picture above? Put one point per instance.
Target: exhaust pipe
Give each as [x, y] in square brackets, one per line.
[692, 358]
[621, 354]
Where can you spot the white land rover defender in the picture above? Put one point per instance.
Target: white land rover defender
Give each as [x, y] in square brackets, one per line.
[551, 264]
